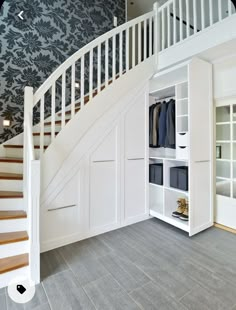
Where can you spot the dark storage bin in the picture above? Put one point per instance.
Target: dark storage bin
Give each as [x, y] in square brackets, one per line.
[156, 174]
[179, 178]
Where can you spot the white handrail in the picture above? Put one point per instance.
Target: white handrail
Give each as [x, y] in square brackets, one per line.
[177, 14]
[84, 50]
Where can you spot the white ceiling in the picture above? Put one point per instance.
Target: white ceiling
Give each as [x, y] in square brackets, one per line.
[140, 7]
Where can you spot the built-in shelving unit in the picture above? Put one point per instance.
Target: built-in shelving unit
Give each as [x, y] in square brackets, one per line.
[193, 147]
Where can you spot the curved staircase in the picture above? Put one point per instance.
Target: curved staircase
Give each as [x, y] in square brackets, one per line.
[96, 68]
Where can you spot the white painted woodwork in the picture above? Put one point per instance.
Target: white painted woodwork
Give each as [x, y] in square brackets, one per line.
[190, 84]
[12, 249]
[6, 278]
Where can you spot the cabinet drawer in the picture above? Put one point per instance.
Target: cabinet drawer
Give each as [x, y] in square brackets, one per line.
[182, 152]
[182, 139]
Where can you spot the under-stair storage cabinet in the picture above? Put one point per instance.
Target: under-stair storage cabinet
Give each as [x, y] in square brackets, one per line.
[181, 109]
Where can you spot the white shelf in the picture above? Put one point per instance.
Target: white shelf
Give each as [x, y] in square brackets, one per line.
[223, 141]
[168, 158]
[184, 115]
[171, 220]
[221, 159]
[176, 190]
[224, 179]
[181, 99]
[156, 185]
[223, 123]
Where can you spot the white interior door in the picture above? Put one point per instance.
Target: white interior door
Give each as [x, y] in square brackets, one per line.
[226, 162]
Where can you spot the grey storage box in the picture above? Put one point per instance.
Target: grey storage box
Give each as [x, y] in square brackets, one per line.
[156, 174]
[179, 177]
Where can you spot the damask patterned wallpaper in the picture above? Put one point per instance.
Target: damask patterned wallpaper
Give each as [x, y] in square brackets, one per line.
[30, 50]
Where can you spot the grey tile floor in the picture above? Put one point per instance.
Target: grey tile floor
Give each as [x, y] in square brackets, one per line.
[149, 265]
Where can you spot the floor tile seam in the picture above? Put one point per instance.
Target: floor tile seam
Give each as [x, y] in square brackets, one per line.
[50, 306]
[141, 287]
[122, 289]
[136, 303]
[212, 248]
[126, 272]
[55, 274]
[90, 299]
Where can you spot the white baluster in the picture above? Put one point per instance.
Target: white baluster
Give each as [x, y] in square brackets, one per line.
[145, 39]
[156, 33]
[41, 126]
[133, 46]
[219, 9]
[195, 16]
[139, 42]
[187, 18]
[91, 75]
[211, 12]
[53, 105]
[99, 69]
[63, 100]
[168, 23]
[163, 29]
[181, 19]
[150, 36]
[73, 90]
[121, 53]
[127, 49]
[203, 13]
[174, 21]
[114, 58]
[82, 82]
[229, 8]
[106, 62]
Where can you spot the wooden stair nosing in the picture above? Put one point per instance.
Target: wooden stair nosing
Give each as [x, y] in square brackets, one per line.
[20, 146]
[12, 215]
[56, 122]
[10, 176]
[14, 262]
[13, 237]
[45, 134]
[10, 194]
[11, 160]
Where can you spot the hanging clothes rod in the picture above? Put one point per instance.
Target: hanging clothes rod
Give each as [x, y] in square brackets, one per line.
[163, 99]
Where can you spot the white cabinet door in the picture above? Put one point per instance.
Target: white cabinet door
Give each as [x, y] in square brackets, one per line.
[135, 130]
[103, 196]
[135, 183]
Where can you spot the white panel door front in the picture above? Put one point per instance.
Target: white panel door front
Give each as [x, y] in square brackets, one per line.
[103, 195]
[135, 181]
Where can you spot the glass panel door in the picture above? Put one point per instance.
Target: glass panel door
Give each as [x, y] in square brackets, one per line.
[224, 146]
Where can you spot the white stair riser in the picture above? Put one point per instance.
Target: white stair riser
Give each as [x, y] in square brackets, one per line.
[11, 204]
[7, 277]
[47, 128]
[13, 249]
[47, 140]
[11, 167]
[13, 225]
[18, 153]
[11, 185]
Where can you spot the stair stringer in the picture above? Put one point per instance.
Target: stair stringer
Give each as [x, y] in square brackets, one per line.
[65, 163]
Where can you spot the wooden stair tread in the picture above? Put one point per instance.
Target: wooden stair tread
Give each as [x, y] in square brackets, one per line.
[12, 215]
[56, 122]
[10, 194]
[12, 237]
[45, 134]
[11, 160]
[10, 176]
[19, 146]
[12, 263]
[69, 112]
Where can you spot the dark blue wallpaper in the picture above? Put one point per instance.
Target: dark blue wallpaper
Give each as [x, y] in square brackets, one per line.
[31, 49]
